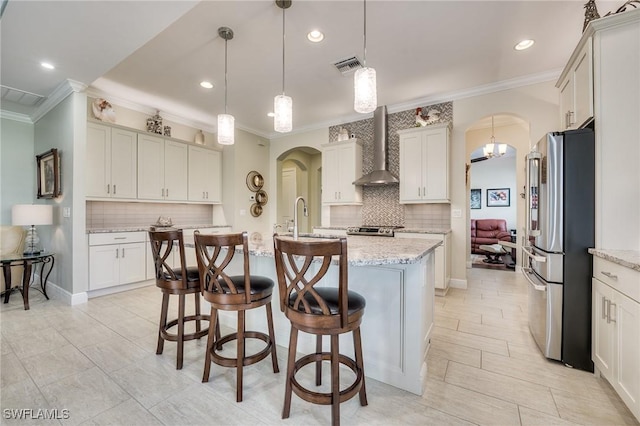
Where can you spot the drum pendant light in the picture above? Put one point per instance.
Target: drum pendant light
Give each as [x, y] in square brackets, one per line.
[226, 131]
[282, 104]
[364, 80]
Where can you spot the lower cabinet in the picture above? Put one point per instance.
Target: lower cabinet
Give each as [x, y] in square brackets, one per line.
[616, 329]
[442, 260]
[116, 258]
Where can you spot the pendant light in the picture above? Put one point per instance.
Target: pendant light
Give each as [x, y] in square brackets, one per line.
[489, 149]
[226, 121]
[364, 80]
[282, 104]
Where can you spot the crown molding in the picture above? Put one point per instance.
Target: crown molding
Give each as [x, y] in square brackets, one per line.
[60, 93]
[10, 115]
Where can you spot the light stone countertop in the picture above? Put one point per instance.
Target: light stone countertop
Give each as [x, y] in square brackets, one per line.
[146, 228]
[628, 258]
[399, 230]
[361, 250]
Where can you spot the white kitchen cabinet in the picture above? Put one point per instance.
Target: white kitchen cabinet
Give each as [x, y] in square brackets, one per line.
[424, 164]
[576, 88]
[442, 259]
[111, 162]
[341, 166]
[616, 329]
[116, 258]
[205, 175]
[162, 169]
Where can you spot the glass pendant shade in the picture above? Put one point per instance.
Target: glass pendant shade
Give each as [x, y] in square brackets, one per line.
[488, 150]
[283, 109]
[366, 98]
[226, 134]
[502, 148]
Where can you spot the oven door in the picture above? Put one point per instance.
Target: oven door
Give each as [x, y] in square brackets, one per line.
[545, 314]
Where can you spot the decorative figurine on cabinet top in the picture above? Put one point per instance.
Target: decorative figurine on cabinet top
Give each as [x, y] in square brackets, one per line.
[103, 111]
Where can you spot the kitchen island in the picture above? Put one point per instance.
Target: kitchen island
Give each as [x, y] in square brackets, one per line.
[396, 277]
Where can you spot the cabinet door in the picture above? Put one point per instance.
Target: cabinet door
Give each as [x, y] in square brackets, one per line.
[204, 175]
[124, 162]
[132, 263]
[98, 161]
[602, 331]
[411, 160]
[583, 87]
[330, 174]
[346, 173]
[150, 167]
[626, 314]
[566, 102]
[175, 171]
[103, 266]
[435, 165]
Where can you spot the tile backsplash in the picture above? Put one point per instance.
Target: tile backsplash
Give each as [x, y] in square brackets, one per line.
[107, 214]
[380, 205]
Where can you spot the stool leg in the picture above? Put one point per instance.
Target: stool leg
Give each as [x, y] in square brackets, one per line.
[163, 322]
[357, 345]
[240, 356]
[335, 381]
[180, 342]
[319, 363]
[197, 297]
[218, 335]
[210, 340]
[272, 338]
[291, 361]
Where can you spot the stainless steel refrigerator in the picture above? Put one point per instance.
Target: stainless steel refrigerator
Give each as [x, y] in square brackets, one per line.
[560, 197]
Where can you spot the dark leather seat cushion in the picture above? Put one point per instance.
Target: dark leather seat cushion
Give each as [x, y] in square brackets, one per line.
[192, 274]
[259, 284]
[330, 295]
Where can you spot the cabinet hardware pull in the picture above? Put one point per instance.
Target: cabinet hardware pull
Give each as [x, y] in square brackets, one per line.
[167, 193]
[609, 274]
[203, 194]
[207, 195]
[604, 307]
[424, 191]
[117, 253]
[615, 306]
[571, 122]
[108, 188]
[114, 189]
[608, 311]
[418, 191]
[119, 238]
[123, 252]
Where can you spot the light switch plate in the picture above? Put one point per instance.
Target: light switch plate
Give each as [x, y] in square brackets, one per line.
[66, 211]
[456, 213]
[243, 212]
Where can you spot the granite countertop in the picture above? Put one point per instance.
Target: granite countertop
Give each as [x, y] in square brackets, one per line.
[362, 250]
[628, 258]
[399, 230]
[146, 228]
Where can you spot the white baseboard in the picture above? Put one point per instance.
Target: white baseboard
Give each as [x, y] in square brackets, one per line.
[469, 264]
[458, 283]
[119, 288]
[56, 292]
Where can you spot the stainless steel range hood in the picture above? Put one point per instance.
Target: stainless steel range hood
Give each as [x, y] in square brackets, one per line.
[380, 174]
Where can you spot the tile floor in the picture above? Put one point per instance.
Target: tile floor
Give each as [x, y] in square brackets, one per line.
[97, 360]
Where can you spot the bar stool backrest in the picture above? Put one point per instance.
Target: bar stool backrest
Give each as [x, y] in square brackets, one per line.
[163, 243]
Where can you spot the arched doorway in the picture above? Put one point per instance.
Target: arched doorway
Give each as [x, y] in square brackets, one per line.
[497, 181]
[299, 173]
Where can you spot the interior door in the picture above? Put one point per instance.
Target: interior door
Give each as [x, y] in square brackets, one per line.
[289, 194]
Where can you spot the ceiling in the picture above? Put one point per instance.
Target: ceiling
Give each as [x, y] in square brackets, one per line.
[155, 53]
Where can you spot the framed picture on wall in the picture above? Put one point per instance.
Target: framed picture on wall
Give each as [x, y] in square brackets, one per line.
[48, 174]
[476, 199]
[498, 197]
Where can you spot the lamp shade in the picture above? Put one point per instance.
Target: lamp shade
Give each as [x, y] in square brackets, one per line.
[226, 134]
[365, 96]
[32, 214]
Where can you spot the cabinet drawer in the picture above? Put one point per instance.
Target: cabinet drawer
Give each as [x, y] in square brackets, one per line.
[621, 278]
[116, 238]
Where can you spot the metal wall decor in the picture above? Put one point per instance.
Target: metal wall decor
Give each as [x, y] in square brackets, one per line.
[154, 124]
[255, 182]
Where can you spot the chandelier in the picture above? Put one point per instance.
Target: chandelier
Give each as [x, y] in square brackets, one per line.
[489, 150]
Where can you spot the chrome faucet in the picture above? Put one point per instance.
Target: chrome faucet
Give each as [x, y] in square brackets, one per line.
[295, 215]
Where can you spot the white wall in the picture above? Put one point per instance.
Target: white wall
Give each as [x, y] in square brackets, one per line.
[17, 166]
[492, 174]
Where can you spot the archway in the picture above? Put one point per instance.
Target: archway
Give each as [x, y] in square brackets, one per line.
[505, 173]
[299, 174]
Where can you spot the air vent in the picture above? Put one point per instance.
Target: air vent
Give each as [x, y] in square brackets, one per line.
[21, 97]
[349, 65]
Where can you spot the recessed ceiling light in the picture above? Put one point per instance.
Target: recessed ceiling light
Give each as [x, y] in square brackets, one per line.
[47, 65]
[315, 36]
[524, 44]
[206, 85]
[271, 114]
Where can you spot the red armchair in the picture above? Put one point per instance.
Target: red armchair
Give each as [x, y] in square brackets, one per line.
[487, 231]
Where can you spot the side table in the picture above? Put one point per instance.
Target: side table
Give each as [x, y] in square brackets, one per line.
[45, 259]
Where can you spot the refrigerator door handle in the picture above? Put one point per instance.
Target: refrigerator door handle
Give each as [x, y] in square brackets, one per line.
[536, 286]
[537, 258]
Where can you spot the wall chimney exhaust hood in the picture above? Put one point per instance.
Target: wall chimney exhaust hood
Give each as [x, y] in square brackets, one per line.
[380, 174]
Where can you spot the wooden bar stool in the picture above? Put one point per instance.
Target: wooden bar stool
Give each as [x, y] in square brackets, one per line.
[300, 266]
[233, 293]
[181, 280]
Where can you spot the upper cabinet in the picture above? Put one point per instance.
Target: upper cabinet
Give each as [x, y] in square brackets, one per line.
[162, 169]
[576, 88]
[111, 162]
[341, 166]
[205, 175]
[424, 164]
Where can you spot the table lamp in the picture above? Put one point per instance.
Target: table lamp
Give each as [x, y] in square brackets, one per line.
[32, 215]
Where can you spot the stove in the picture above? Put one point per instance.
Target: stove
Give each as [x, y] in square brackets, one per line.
[374, 231]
